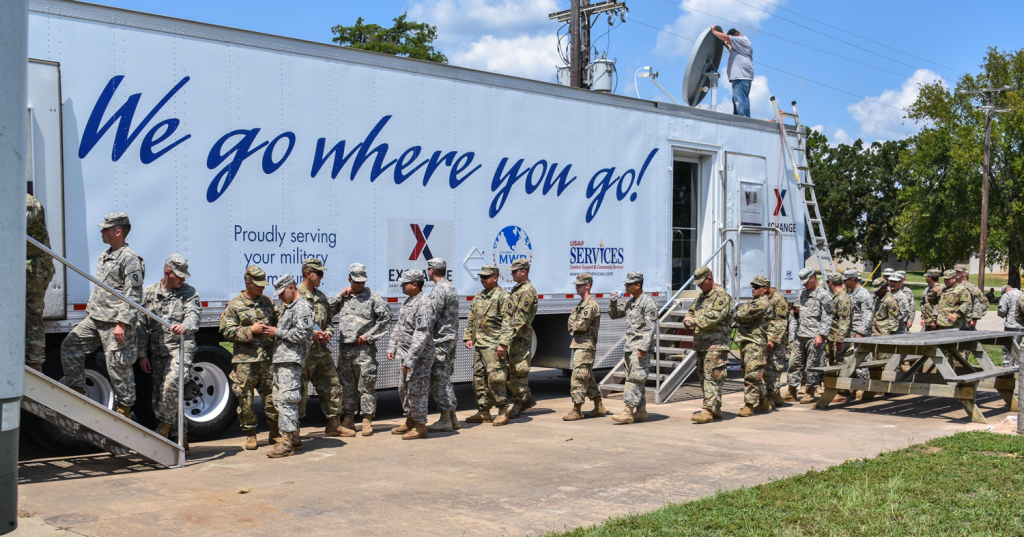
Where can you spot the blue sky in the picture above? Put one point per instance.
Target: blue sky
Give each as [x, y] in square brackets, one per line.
[931, 40]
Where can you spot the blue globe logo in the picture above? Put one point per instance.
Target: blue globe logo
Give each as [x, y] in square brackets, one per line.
[510, 244]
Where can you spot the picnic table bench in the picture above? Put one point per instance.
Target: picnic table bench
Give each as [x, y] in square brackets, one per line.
[937, 366]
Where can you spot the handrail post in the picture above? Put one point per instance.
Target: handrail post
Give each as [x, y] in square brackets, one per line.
[181, 401]
[657, 360]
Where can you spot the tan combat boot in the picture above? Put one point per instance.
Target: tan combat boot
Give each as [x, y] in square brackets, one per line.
[333, 427]
[746, 411]
[405, 427]
[598, 410]
[764, 405]
[348, 426]
[443, 424]
[790, 394]
[502, 418]
[455, 420]
[481, 416]
[777, 399]
[717, 414]
[275, 433]
[37, 367]
[418, 430]
[527, 404]
[640, 414]
[515, 410]
[574, 414]
[250, 440]
[839, 399]
[808, 397]
[296, 440]
[626, 416]
[125, 411]
[702, 417]
[367, 425]
[163, 429]
[283, 448]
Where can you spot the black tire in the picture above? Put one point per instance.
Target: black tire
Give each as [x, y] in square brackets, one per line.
[50, 436]
[215, 411]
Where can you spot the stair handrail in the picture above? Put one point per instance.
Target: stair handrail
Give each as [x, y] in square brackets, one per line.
[151, 315]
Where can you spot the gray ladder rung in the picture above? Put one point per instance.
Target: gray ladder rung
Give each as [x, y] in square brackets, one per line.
[674, 337]
[671, 324]
[672, 350]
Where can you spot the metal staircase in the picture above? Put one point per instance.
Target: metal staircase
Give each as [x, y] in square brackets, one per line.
[93, 422]
[812, 212]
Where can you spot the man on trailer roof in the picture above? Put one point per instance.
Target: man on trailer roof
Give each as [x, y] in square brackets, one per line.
[741, 68]
[111, 321]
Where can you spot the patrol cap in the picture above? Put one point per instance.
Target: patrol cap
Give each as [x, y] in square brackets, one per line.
[412, 276]
[949, 274]
[835, 277]
[701, 274]
[179, 265]
[438, 264]
[635, 277]
[805, 275]
[887, 272]
[256, 275]
[933, 273]
[879, 282]
[115, 219]
[489, 270]
[902, 274]
[851, 273]
[895, 278]
[282, 283]
[357, 271]
[760, 281]
[583, 279]
[521, 263]
[312, 263]
[962, 267]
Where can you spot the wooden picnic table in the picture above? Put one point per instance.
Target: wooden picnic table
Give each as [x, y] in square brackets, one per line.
[937, 366]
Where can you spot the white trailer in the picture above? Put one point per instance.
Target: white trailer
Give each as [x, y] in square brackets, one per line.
[234, 148]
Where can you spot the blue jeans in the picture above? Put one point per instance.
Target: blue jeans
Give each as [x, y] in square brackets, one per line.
[741, 97]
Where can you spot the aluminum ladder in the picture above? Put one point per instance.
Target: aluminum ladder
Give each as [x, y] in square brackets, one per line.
[812, 211]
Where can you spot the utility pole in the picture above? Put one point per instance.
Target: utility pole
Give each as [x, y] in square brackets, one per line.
[988, 93]
[578, 18]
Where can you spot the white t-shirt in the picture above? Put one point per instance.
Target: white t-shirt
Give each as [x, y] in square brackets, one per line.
[741, 59]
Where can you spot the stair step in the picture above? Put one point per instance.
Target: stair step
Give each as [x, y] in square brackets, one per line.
[675, 337]
[650, 376]
[672, 324]
[612, 387]
[672, 350]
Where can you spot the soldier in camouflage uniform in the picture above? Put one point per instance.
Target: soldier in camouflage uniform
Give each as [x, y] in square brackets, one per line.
[489, 333]
[885, 318]
[862, 309]
[39, 271]
[641, 319]
[710, 316]
[842, 312]
[752, 320]
[928, 313]
[979, 303]
[776, 347]
[907, 292]
[905, 306]
[815, 323]
[246, 322]
[111, 322]
[522, 309]
[954, 304]
[178, 303]
[1007, 303]
[584, 324]
[293, 336]
[446, 324]
[320, 369]
[365, 318]
[412, 342]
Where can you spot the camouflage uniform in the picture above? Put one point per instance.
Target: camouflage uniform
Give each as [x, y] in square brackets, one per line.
[752, 319]
[584, 324]
[176, 306]
[712, 323]
[1007, 303]
[816, 314]
[488, 327]
[252, 352]
[979, 303]
[320, 369]
[905, 308]
[862, 304]
[907, 292]
[39, 271]
[928, 314]
[952, 299]
[124, 271]
[778, 334]
[446, 309]
[292, 341]
[412, 343]
[522, 306]
[842, 311]
[362, 314]
[885, 319]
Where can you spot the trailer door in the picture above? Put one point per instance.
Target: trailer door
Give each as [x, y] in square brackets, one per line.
[685, 208]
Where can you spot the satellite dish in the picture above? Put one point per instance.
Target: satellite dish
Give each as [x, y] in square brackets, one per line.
[705, 58]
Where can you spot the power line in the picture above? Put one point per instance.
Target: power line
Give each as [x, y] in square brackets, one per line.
[856, 35]
[633, 19]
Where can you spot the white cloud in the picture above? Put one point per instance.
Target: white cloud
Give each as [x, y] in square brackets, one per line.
[525, 56]
[881, 117]
[818, 129]
[840, 137]
[696, 18]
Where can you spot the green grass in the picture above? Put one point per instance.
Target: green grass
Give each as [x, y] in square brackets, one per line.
[229, 346]
[966, 484]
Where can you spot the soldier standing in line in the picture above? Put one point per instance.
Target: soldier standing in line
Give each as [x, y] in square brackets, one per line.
[584, 324]
[446, 324]
[1007, 303]
[710, 316]
[842, 308]
[365, 318]
[752, 319]
[862, 309]
[979, 304]
[907, 292]
[110, 323]
[1019, 311]
[522, 309]
[641, 318]
[489, 333]
[293, 337]
[777, 345]
[412, 342]
[928, 314]
[246, 322]
[885, 318]
[905, 306]
[39, 270]
[954, 304]
[178, 303]
[320, 369]
[813, 327]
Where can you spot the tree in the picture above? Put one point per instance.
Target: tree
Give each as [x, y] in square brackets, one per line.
[406, 38]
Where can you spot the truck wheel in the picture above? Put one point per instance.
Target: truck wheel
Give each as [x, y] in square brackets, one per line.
[209, 402]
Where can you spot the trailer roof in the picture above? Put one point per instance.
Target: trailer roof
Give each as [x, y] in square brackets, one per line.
[182, 27]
